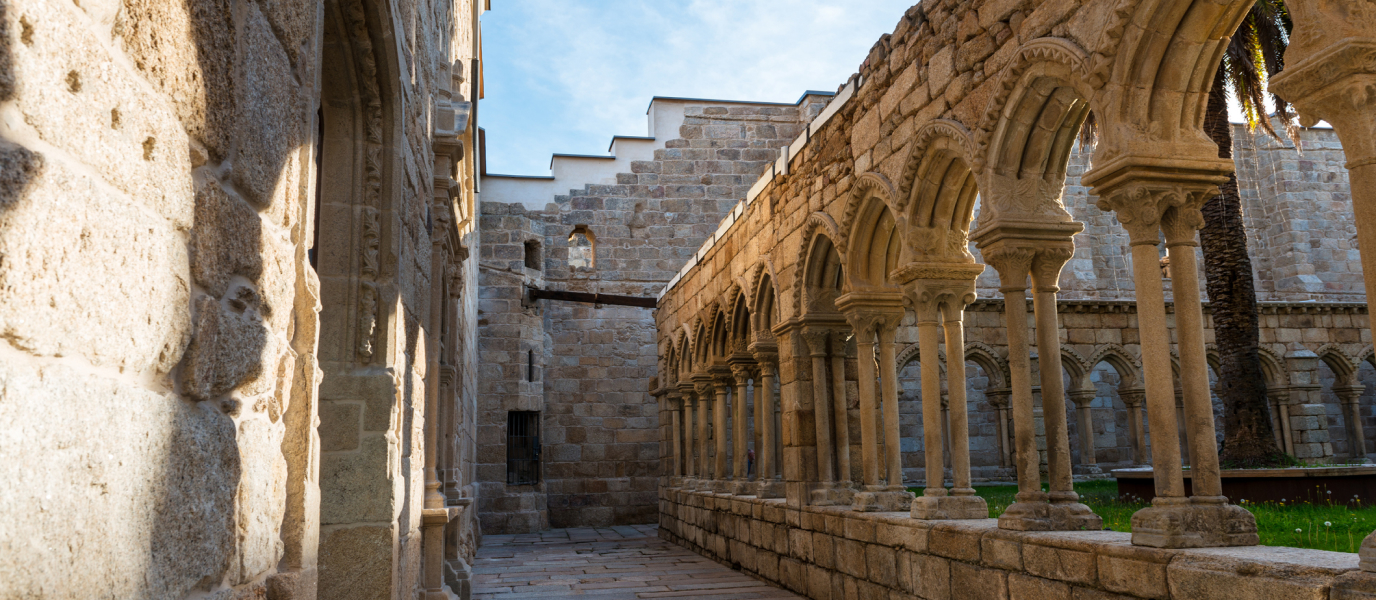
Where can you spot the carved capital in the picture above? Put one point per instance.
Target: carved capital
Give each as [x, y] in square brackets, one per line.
[1013, 264]
[998, 398]
[741, 373]
[1132, 398]
[870, 312]
[1021, 200]
[816, 340]
[933, 297]
[1082, 398]
[1047, 265]
[1141, 203]
[1349, 394]
[1330, 71]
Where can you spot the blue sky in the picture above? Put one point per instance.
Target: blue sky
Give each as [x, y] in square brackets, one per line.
[566, 75]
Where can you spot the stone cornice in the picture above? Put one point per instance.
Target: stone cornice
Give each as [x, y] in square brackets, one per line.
[1130, 306]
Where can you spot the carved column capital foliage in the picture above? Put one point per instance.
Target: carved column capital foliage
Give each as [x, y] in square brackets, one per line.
[1330, 71]
[1047, 265]
[1141, 205]
[741, 373]
[930, 297]
[1132, 398]
[1021, 200]
[1013, 264]
[816, 340]
[870, 311]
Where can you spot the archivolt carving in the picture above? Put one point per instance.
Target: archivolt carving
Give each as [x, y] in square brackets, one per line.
[1343, 365]
[988, 359]
[1128, 366]
[1273, 367]
[1064, 54]
[1367, 354]
[815, 221]
[367, 319]
[1077, 366]
[869, 185]
[922, 143]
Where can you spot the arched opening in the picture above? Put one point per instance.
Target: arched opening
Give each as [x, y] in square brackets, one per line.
[582, 249]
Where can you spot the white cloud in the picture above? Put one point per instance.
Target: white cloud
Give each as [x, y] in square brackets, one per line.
[564, 76]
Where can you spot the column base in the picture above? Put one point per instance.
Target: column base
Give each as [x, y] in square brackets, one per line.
[1194, 523]
[1050, 516]
[769, 488]
[882, 499]
[831, 494]
[741, 487]
[458, 575]
[933, 508]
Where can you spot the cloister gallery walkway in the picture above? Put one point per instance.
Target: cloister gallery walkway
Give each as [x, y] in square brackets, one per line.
[614, 563]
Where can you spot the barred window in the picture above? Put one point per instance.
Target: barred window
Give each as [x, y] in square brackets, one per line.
[522, 447]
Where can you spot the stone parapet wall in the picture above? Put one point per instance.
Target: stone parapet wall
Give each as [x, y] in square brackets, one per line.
[833, 553]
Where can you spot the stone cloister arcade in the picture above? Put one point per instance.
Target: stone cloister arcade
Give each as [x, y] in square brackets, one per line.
[857, 246]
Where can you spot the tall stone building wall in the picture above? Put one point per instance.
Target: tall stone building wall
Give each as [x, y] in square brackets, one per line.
[599, 427]
[222, 223]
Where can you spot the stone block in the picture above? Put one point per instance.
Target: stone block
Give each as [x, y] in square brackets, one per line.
[227, 345]
[1256, 572]
[1026, 587]
[1142, 578]
[268, 121]
[1000, 552]
[262, 499]
[850, 557]
[931, 577]
[361, 483]
[977, 582]
[880, 561]
[356, 563]
[1059, 564]
[954, 542]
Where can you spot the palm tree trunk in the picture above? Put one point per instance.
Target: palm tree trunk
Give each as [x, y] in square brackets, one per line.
[1248, 440]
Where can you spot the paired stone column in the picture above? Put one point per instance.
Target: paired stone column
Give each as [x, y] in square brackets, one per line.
[999, 399]
[1041, 256]
[702, 383]
[675, 435]
[939, 296]
[740, 482]
[875, 317]
[1149, 196]
[1084, 417]
[721, 478]
[688, 394]
[828, 490]
[769, 485]
[1348, 396]
[1133, 399]
[840, 414]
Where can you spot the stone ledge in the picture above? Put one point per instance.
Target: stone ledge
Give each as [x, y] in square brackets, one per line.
[835, 548]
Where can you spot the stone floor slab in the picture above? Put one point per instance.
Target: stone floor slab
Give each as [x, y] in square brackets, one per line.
[613, 563]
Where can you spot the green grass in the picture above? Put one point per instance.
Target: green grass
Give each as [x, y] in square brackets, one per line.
[1326, 526]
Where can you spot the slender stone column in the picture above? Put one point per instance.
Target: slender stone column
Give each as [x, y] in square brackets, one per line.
[816, 340]
[1133, 399]
[1180, 225]
[1348, 396]
[690, 470]
[878, 313]
[740, 482]
[1028, 512]
[869, 448]
[952, 317]
[1084, 417]
[676, 437]
[770, 486]
[720, 476]
[841, 415]
[704, 401]
[1046, 273]
[1145, 197]
[928, 338]
[999, 399]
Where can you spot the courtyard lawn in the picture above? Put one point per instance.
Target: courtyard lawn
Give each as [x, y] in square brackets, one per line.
[1328, 526]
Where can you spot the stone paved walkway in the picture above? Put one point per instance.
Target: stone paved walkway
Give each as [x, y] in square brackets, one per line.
[615, 563]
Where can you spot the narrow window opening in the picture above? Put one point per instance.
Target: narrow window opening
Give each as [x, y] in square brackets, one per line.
[522, 447]
[533, 258]
[313, 254]
[582, 248]
[530, 365]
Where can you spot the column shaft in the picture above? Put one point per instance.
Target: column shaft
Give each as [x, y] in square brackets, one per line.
[869, 448]
[928, 338]
[704, 402]
[719, 430]
[740, 420]
[893, 455]
[1156, 365]
[676, 438]
[821, 411]
[1085, 416]
[689, 467]
[765, 396]
[955, 390]
[841, 415]
[1053, 390]
[1194, 370]
[1020, 374]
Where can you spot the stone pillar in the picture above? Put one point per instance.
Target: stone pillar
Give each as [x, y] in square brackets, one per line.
[1147, 197]
[840, 414]
[1085, 420]
[721, 483]
[703, 389]
[939, 299]
[1329, 75]
[999, 399]
[435, 515]
[1028, 512]
[768, 483]
[1133, 400]
[740, 483]
[825, 493]
[688, 395]
[675, 436]
[877, 315]
[1067, 511]
[1349, 396]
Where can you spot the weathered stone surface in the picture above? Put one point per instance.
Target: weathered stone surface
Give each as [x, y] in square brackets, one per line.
[355, 483]
[225, 240]
[161, 475]
[356, 563]
[261, 499]
[226, 346]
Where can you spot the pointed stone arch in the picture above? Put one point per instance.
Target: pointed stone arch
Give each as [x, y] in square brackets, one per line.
[873, 231]
[822, 263]
[1273, 368]
[940, 187]
[1343, 365]
[1128, 366]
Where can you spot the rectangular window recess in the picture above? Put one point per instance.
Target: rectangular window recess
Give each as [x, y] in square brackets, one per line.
[522, 447]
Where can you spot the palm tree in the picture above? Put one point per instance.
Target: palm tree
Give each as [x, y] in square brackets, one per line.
[1254, 53]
